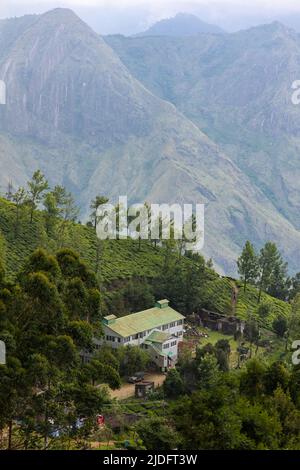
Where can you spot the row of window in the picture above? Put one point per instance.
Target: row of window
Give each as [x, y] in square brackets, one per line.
[113, 338]
[144, 333]
[169, 345]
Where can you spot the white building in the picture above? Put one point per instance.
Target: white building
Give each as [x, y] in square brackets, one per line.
[158, 329]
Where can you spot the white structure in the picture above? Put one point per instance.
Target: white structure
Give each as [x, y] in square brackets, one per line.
[158, 329]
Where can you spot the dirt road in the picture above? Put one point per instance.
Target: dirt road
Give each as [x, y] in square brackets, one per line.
[128, 390]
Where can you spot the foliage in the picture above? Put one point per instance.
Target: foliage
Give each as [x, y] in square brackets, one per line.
[157, 433]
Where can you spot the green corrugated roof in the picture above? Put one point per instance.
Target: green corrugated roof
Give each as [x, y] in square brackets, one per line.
[144, 321]
[158, 337]
[110, 317]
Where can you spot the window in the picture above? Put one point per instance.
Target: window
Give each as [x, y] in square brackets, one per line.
[172, 324]
[135, 336]
[127, 339]
[110, 338]
[166, 346]
[165, 327]
[173, 343]
[180, 322]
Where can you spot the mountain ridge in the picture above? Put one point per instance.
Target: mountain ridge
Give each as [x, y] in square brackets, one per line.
[182, 24]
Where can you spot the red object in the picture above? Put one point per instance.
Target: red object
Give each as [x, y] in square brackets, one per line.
[100, 420]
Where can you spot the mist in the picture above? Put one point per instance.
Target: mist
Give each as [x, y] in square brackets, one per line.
[129, 17]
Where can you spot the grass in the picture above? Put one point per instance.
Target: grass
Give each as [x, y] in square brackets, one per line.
[215, 336]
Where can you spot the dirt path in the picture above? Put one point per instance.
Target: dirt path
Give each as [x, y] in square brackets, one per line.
[234, 298]
[128, 390]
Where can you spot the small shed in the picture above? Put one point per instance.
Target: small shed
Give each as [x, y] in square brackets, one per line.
[142, 389]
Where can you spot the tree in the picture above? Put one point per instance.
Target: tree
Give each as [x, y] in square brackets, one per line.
[272, 270]
[280, 325]
[132, 359]
[208, 372]
[157, 434]
[276, 376]
[248, 265]
[138, 296]
[293, 330]
[264, 310]
[295, 286]
[43, 385]
[41, 261]
[251, 331]
[19, 199]
[222, 352]
[67, 209]
[261, 428]
[36, 188]
[52, 211]
[207, 420]
[252, 380]
[95, 204]
[10, 190]
[2, 257]
[173, 385]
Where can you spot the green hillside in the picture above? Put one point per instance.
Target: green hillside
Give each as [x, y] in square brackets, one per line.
[120, 261]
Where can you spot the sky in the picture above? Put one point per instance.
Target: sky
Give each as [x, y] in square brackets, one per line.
[132, 16]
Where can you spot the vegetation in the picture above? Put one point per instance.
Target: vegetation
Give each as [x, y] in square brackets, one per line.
[120, 263]
[53, 297]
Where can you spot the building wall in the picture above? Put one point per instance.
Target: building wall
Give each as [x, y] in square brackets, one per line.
[142, 336]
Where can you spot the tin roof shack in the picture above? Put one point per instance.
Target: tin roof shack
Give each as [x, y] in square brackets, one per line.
[143, 389]
[218, 322]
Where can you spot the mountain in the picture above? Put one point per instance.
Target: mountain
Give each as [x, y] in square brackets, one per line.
[183, 24]
[237, 89]
[79, 109]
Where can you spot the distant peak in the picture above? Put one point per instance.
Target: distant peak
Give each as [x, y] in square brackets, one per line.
[61, 13]
[183, 24]
[185, 15]
[275, 27]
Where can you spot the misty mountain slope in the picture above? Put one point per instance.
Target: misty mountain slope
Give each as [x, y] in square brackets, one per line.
[237, 89]
[75, 111]
[183, 24]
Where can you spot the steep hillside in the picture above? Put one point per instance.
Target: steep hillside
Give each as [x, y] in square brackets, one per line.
[237, 89]
[120, 261]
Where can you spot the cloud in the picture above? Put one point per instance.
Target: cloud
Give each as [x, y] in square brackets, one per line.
[131, 16]
[279, 5]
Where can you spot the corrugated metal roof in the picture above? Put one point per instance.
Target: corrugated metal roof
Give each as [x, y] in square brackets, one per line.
[144, 321]
[158, 337]
[110, 317]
